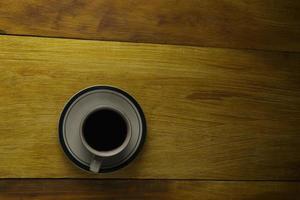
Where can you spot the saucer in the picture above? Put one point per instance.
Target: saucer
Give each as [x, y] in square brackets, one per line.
[86, 101]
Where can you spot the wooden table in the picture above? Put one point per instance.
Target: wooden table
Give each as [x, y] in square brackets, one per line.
[219, 82]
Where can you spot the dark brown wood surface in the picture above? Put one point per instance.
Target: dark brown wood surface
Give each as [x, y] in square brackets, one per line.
[46, 189]
[258, 24]
[246, 101]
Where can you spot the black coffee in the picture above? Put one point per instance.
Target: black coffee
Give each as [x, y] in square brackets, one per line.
[104, 130]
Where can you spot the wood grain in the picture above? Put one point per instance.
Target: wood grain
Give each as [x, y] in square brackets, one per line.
[258, 24]
[211, 113]
[146, 189]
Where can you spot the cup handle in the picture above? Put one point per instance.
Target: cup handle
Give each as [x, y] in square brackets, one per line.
[95, 164]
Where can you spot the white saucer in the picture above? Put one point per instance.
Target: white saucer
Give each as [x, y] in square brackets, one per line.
[84, 102]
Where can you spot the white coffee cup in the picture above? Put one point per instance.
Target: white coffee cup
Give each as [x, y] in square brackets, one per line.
[105, 132]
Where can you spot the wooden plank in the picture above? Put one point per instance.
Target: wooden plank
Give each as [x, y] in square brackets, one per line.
[212, 113]
[259, 24]
[146, 189]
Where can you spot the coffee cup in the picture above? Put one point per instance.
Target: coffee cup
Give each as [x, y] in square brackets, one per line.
[105, 133]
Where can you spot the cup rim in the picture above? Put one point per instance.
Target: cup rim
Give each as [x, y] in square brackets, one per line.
[114, 151]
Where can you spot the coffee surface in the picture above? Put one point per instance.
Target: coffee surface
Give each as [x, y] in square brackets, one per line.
[104, 130]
